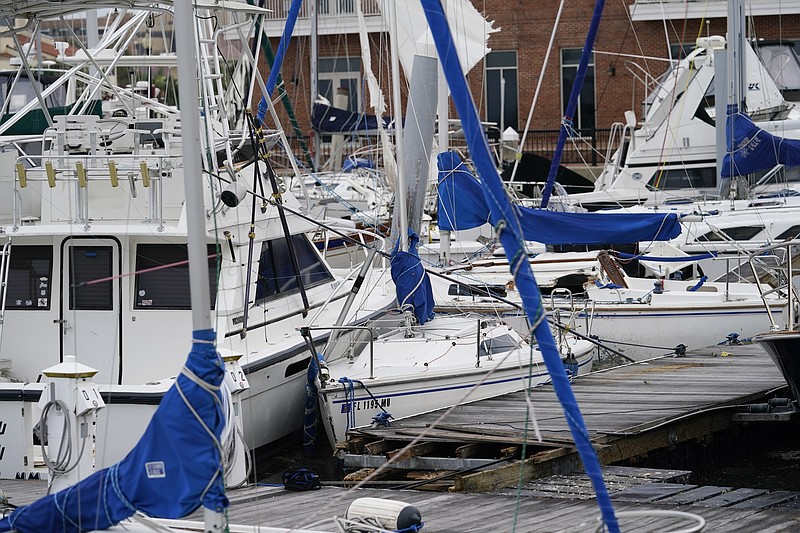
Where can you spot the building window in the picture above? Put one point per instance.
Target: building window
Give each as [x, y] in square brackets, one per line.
[91, 263]
[163, 281]
[340, 72]
[584, 111]
[276, 274]
[502, 97]
[29, 275]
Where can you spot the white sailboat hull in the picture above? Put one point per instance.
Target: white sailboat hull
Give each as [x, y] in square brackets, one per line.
[409, 379]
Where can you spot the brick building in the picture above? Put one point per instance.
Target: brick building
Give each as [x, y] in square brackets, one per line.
[634, 43]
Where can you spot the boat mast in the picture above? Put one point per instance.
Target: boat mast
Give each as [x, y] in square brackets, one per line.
[192, 168]
[315, 137]
[566, 122]
[400, 189]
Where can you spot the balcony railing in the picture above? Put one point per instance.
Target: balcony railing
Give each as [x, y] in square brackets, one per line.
[325, 8]
[587, 147]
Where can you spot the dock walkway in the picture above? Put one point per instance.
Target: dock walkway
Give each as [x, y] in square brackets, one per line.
[629, 411]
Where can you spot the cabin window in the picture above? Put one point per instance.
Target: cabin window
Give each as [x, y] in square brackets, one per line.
[29, 278]
[91, 263]
[584, 112]
[741, 233]
[459, 289]
[276, 274]
[499, 344]
[163, 278]
[790, 233]
[687, 178]
[502, 98]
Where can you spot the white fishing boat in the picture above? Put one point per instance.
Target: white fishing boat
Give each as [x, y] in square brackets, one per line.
[94, 265]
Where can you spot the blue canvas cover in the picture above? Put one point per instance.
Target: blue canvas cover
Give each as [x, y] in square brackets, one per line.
[462, 205]
[411, 281]
[175, 467]
[752, 149]
[327, 119]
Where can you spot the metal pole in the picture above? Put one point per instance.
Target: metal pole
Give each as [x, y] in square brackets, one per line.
[400, 190]
[192, 167]
[312, 7]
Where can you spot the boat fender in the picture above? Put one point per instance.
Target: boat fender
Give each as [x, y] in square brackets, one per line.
[390, 514]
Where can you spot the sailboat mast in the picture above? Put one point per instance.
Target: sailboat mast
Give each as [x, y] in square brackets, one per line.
[192, 168]
[400, 187]
[566, 121]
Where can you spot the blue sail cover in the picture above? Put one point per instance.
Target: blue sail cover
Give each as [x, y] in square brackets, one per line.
[411, 281]
[327, 119]
[462, 205]
[175, 467]
[753, 149]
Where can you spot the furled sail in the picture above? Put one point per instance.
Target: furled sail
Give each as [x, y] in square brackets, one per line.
[411, 281]
[175, 467]
[752, 149]
[462, 205]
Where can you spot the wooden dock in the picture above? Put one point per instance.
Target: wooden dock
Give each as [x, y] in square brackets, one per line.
[629, 411]
[528, 510]
[473, 455]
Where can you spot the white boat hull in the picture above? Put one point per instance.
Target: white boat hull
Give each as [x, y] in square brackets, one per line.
[418, 391]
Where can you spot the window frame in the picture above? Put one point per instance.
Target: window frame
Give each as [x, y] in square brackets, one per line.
[47, 255]
[502, 69]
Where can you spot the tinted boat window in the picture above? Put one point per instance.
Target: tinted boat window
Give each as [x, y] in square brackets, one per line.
[90, 263]
[741, 233]
[163, 279]
[790, 233]
[29, 276]
[276, 273]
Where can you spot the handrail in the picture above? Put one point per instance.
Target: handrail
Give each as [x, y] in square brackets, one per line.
[783, 282]
[5, 267]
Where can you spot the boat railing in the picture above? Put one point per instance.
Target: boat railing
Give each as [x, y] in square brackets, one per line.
[778, 261]
[5, 266]
[81, 169]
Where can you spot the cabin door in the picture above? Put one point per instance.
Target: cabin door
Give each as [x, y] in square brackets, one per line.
[91, 320]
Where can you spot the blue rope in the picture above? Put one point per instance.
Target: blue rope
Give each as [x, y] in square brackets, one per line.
[350, 400]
